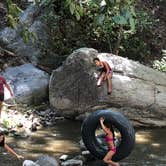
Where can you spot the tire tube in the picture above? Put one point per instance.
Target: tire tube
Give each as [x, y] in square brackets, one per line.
[120, 122]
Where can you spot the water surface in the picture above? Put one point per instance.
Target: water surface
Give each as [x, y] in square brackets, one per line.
[63, 138]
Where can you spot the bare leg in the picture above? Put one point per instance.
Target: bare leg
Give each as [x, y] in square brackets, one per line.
[109, 83]
[108, 157]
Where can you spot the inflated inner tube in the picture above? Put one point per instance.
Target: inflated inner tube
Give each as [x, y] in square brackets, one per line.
[120, 122]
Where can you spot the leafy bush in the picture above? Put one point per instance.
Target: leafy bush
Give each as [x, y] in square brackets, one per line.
[161, 64]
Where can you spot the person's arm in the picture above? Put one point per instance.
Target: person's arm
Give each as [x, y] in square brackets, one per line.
[102, 125]
[8, 87]
[10, 150]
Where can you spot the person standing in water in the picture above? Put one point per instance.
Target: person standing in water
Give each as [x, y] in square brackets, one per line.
[2, 84]
[105, 74]
[7, 147]
[109, 138]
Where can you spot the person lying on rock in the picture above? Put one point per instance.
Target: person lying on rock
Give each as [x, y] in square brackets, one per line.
[105, 74]
[109, 138]
[9, 149]
[2, 84]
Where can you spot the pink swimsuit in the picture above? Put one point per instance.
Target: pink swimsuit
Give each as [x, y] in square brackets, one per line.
[107, 139]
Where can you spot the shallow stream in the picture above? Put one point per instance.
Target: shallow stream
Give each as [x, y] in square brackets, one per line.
[150, 148]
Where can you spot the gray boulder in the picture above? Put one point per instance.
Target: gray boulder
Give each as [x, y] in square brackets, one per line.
[39, 49]
[138, 91]
[30, 85]
[29, 163]
[72, 162]
[42, 161]
[47, 161]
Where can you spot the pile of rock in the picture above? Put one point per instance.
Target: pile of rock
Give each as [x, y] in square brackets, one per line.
[21, 120]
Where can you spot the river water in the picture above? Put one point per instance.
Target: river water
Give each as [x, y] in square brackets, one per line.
[64, 137]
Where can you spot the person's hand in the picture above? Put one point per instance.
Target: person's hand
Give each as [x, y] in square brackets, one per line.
[20, 157]
[101, 119]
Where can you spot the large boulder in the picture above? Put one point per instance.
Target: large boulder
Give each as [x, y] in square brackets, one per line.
[30, 85]
[138, 91]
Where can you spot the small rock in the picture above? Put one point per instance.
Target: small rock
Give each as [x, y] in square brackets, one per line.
[82, 146]
[63, 157]
[86, 152]
[48, 123]
[4, 130]
[20, 125]
[47, 161]
[29, 163]
[87, 155]
[72, 162]
[33, 127]
[36, 121]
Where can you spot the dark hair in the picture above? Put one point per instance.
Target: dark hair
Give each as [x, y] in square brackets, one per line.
[110, 126]
[2, 143]
[96, 59]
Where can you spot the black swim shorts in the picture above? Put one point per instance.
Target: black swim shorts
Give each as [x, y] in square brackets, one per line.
[2, 97]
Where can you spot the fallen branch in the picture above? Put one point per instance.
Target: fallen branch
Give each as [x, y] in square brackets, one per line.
[4, 51]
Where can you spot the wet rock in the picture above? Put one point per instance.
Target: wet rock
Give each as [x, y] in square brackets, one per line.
[82, 145]
[29, 163]
[87, 155]
[20, 125]
[3, 130]
[72, 162]
[63, 157]
[33, 127]
[47, 161]
[36, 121]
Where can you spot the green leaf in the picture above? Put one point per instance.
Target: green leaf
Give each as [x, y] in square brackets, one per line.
[100, 19]
[132, 11]
[72, 8]
[126, 13]
[119, 20]
[132, 23]
[77, 15]
[80, 10]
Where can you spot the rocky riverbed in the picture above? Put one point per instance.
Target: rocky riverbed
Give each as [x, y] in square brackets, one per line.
[59, 139]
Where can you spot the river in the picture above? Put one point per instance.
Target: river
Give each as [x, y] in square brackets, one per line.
[63, 138]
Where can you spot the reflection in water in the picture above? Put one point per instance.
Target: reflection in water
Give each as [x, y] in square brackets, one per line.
[150, 148]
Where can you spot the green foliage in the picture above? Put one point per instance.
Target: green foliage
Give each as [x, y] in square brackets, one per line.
[27, 35]
[6, 124]
[13, 19]
[111, 17]
[13, 13]
[112, 24]
[75, 8]
[161, 65]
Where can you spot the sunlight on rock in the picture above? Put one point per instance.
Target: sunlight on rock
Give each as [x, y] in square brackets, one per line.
[123, 79]
[157, 145]
[142, 137]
